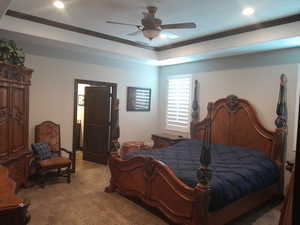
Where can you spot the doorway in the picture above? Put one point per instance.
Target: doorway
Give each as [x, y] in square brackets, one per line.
[92, 122]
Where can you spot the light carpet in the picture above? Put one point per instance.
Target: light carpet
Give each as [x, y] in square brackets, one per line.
[84, 202]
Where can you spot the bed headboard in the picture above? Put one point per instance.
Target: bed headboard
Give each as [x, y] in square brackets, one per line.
[234, 122]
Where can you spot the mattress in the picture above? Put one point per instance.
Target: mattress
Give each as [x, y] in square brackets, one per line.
[236, 171]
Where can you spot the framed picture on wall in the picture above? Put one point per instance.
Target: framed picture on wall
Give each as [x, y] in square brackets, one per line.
[138, 99]
[81, 100]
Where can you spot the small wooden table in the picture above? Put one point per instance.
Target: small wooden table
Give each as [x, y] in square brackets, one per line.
[165, 140]
[133, 146]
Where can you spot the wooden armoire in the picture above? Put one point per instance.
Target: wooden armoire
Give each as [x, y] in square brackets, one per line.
[14, 109]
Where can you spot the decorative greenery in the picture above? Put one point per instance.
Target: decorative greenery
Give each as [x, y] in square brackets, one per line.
[10, 53]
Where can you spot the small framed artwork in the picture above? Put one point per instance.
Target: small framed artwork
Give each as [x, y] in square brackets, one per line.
[138, 99]
[81, 100]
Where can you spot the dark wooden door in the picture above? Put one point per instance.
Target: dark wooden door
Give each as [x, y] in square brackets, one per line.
[4, 120]
[97, 102]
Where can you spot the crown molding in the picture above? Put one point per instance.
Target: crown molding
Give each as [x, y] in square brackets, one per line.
[222, 34]
[231, 32]
[76, 29]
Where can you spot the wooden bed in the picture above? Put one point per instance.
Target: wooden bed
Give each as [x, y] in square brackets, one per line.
[231, 121]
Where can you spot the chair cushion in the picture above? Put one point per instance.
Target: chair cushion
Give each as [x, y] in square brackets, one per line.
[55, 162]
[42, 150]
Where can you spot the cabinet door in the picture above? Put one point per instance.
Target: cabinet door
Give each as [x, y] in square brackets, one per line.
[18, 119]
[4, 120]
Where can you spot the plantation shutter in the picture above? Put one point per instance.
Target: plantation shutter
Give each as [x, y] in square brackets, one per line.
[178, 103]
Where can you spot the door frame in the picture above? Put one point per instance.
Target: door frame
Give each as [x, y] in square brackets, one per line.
[93, 83]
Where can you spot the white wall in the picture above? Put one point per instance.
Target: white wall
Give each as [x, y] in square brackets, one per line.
[253, 77]
[52, 90]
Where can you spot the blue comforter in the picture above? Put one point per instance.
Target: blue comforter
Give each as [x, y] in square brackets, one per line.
[236, 171]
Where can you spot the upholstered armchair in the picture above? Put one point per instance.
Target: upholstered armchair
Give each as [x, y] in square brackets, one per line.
[48, 152]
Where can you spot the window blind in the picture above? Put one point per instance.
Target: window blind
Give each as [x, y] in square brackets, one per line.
[178, 103]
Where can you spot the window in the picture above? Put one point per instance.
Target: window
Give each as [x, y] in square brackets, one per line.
[178, 103]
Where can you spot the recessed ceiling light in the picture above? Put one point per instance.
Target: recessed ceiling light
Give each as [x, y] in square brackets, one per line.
[163, 36]
[248, 11]
[59, 4]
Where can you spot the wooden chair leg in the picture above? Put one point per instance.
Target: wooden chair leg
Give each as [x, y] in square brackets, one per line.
[111, 188]
[69, 174]
[42, 179]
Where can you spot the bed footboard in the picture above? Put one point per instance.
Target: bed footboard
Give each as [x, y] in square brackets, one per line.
[156, 185]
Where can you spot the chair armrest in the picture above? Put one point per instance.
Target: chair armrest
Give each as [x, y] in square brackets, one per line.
[67, 151]
[36, 157]
[34, 165]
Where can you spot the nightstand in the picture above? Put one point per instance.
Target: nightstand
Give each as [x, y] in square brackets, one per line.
[133, 146]
[165, 140]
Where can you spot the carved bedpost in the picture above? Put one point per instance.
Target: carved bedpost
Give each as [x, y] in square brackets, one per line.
[200, 209]
[116, 129]
[282, 114]
[281, 124]
[201, 205]
[195, 109]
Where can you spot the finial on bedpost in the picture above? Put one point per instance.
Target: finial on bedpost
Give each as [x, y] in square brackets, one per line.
[204, 173]
[195, 105]
[281, 111]
[195, 110]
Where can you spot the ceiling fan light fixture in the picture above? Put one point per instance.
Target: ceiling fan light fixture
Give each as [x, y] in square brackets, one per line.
[59, 4]
[163, 36]
[248, 11]
[151, 33]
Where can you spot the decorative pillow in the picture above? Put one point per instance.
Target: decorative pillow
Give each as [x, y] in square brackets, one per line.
[42, 150]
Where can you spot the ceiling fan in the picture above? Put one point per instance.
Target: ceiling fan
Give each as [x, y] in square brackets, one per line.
[152, 26]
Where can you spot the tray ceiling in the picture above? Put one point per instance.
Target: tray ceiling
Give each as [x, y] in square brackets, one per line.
[211, 16]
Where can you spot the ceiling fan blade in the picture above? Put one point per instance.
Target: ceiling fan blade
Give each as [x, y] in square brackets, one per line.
[178, 26]
[134, 33]
[120, 23]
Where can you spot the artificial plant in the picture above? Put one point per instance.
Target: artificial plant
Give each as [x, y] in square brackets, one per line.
[10, 53]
